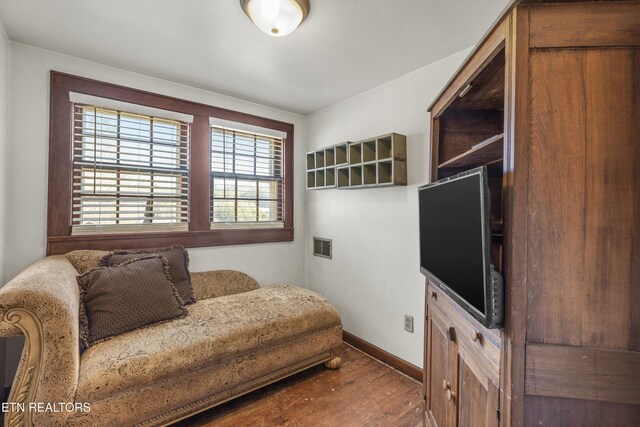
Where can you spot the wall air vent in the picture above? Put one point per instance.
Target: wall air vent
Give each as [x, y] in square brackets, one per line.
[322, 247]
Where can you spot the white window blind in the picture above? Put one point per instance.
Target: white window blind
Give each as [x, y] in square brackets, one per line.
[143, 110]
[131, 172]
[247, 179]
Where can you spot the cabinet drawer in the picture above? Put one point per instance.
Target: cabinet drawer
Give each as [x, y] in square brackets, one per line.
[482, 344]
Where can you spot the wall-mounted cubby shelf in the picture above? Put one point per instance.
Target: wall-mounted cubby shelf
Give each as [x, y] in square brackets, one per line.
[322, 164]
[374, 162]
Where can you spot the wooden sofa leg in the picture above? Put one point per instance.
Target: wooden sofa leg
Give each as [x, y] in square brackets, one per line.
[333, 363]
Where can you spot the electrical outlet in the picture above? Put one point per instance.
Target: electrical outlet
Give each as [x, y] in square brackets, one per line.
[408, 323]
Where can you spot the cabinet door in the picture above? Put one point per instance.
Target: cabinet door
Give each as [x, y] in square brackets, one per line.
[475, 396]
[438, 373]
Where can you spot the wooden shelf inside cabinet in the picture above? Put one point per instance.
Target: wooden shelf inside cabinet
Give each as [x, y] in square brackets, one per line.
[484, 153]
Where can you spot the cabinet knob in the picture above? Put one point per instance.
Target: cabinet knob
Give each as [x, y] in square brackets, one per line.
[451, 333]
[476, 336]
[434, 295]
[450, 395]
[446, 385]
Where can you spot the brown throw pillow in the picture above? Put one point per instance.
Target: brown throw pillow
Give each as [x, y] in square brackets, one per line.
[178, 266]
[126, 297]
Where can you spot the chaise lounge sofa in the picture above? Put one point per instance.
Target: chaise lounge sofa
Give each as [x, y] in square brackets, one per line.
[237, 337]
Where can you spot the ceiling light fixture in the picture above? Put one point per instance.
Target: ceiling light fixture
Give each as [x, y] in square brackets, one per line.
[276, 17]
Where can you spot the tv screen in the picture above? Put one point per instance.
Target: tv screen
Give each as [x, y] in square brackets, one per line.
[455, 239]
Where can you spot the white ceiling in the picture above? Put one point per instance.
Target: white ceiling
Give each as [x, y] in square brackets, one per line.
[343, 48]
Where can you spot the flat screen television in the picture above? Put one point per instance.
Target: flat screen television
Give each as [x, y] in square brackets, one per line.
[455, 243]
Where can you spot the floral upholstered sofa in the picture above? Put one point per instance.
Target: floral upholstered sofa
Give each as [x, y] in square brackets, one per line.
[237, 337]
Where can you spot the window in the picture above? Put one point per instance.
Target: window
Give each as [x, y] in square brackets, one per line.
[133, 169]
[131, 172]
[246, 179]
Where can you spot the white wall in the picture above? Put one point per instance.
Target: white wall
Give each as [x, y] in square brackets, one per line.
[27, 160]
[4, 95]
[373, 278]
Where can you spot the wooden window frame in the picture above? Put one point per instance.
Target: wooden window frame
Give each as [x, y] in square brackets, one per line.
[59, 239]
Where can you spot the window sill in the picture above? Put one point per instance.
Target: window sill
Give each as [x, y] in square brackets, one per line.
[57, 245]
[97, 230]
[245, 225]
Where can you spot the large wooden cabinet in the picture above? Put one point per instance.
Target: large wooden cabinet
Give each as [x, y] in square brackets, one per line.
[549, 101]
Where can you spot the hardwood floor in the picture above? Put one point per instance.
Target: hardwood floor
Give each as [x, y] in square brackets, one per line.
[362, 392]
